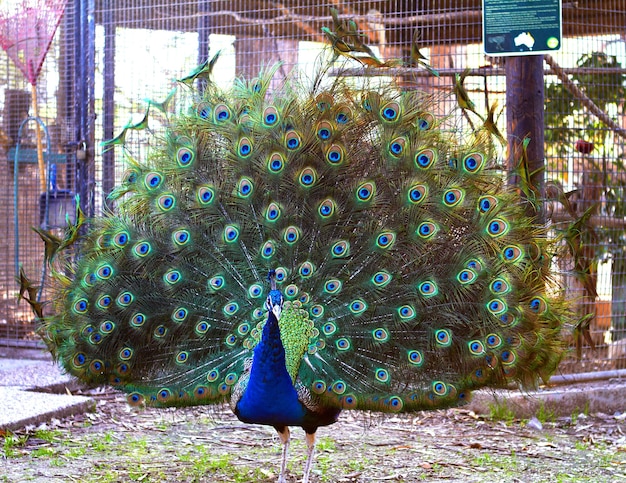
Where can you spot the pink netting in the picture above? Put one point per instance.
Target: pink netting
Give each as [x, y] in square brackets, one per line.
[26, 31]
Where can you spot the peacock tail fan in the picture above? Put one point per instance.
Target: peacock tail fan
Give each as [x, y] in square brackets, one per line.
[410, 271]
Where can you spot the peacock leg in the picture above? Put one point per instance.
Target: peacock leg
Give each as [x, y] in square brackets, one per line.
[310, 443]
[284, 438]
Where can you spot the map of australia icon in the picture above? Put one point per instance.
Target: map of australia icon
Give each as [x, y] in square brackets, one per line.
[525, 39]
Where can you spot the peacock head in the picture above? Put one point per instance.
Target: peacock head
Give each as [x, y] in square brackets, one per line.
[274, 302]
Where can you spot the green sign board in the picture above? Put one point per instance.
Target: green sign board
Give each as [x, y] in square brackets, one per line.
[521, 27]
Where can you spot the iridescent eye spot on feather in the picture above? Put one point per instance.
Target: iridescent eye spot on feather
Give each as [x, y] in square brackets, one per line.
[415, 357]
[231, 308]
[205, 195]
[292, 140]
[425, 158]
[230, 340]
[508, 357]
[486, 203]
[185, 157]
[335, 155]
[453, 197]
[166, 202]
[79, 360]
[153, 180]
[125, 299]
[466, 276]
[96, 367]
[329, 328]
[428, 288]
[440, 388]
[473, 162]
[395, 404]
[512, 253]
[386, 239]
[222, 113]
[508, 319]
[104, 301]
[306, 269]
[316, 311]
[305, 298]
[107, 327]
[396, 147]
[365, 191]
[357, 307]
[417, 193]
[104, 272]
[496, 306]
[443, 338]
[231, 233]
[343, 344]
[291, 235]
[381, 279]
[243, 329]
[497, 227]
[80, 306]
[332, 286]
[538, 305]
[476, 347]
[244, 187]
[475, 265]
[275, 163]
[270, 116]
[164, 395]
[281, 274]
[87, 330]
[339, 387]
[202, 327]
[216, 283]
[406, 312]
[126, 354]
[425, 122]
[231, 378]
[121, 239]
[95, 338]
[142, 249]
[181, 237]
[343, 115]
[349, 401]
[381, 375]
[327, 208]
[308, 177]
[380, 335]
[499, 286]
[390, 112]
[180, 314]
[137, 320]
[268, 250]
[213, 375]
[244, 147]
[255, 291]
[493, 341]
[318, 387]
[203, 110]
[182, 357]
[291, 290]
[160, 332]
[340, 249]
[172, 277]
[324, 131]
[272, 212]
[89, 279]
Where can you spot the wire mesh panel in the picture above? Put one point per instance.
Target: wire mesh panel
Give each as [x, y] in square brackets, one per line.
[142, 46]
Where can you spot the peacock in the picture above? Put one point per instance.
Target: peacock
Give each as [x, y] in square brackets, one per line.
[304, 249]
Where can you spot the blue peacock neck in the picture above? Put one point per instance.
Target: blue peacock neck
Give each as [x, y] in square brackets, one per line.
[269, 396]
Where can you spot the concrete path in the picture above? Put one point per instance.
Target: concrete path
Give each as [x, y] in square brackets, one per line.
[33, 390]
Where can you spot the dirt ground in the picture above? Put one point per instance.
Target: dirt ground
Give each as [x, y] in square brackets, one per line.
[121, 444]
